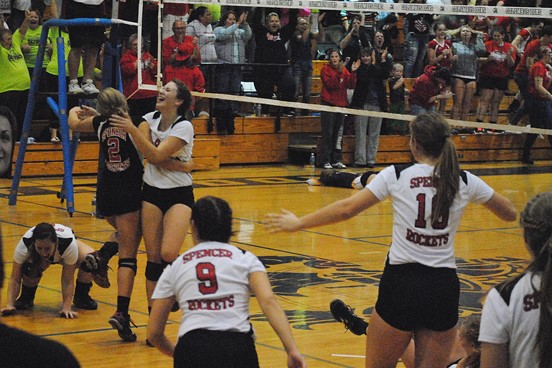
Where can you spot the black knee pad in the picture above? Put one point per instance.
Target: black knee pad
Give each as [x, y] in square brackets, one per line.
[129, 263]
[154, 271]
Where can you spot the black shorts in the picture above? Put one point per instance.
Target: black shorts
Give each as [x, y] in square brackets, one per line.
[486, 82]
[166, 198]
[465, 80]
[215, 349]
[113, 198]
[413, 296]
[88, 35]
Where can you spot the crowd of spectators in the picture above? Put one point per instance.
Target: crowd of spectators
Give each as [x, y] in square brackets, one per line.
[450, 56]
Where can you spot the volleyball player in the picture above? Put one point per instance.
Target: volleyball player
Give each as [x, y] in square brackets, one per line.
[46, 244]
[167, 195]
[118, 192]
[517, 318]
[212, 282]
[419, 290]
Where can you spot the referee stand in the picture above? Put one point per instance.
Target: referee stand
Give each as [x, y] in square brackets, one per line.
[60, 109]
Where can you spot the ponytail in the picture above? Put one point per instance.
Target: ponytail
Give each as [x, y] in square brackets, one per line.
[446, 179]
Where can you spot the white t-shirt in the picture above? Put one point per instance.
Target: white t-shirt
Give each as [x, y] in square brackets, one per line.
[67, 251]
[211, 284]
[162, 178]
[411, 191]
[511, 316]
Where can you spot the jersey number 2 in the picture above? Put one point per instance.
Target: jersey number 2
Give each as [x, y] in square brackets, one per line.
[114, 150]
[205, 272]
[420, 220]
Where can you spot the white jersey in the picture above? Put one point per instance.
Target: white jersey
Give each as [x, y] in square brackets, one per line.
[67, 251]
[415, 240]
[511, 316]
[162, 178]
[211, 284]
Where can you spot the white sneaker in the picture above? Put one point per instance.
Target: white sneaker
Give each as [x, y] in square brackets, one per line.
[339, 165]
[203, 113]
[89, 88]
[55, 140]
[75, 89]
[327, 166]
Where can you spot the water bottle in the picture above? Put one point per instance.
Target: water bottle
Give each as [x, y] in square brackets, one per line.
[257, 109]
[312, 160]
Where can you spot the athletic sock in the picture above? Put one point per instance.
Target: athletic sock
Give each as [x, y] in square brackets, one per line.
[82, 289]
[123, 303]
[108, 250]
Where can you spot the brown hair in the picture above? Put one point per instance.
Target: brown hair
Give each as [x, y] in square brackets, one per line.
[111, 101]
[432, 132]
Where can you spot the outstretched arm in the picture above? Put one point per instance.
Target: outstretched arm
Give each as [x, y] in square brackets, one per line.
[68, 290]
[336, 212]
[501, 207]
[259, 283]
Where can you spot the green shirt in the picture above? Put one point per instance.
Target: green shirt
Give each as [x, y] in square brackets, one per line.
[14, 75]
[32, 38]
[52, 67]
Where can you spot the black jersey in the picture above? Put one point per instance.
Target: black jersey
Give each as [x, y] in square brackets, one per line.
[120, 178]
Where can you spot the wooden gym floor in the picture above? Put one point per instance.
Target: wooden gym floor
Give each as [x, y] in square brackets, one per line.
[307, 269]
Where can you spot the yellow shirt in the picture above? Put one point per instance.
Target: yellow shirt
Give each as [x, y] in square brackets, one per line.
[52, 67]
[14, 75]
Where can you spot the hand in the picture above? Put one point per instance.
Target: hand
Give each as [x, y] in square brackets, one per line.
[446, 52]
[25, 48]
[321, 17]
[122, 122]
[68, 314]
[84, 112]
[285, 221]
[356, 65]
[296, 360]
[384, 54]
[8, 311]
[243, 18]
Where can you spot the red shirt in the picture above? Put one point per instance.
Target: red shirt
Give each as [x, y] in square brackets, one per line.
[538, 70]
[170, 45]
[191, 76]
[335, 85]
[439, 48]
[424, 88]
[497, 66]
[530, 51]
[129, 70]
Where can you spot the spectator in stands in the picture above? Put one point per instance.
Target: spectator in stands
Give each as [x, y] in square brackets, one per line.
[232, 35]
[415, 43]
[493, 75]
[140, 102]
[355, 40]
[15, 81]
[29, 43]
[397, 100]
[3, 24]
[199, 25]
[300, 47]
[516, 319]
[182, 57]
[21, 349]
[85, 44]
[439, 53]
[539, 99]
[51, 83]
[270, 48]
[522, 70]
[7, 124]
[528, 33]
[336, 79]
[428, 88]
[466, 51]
[370, 95]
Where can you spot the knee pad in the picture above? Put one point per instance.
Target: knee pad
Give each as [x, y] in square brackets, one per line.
[154, 271]
[128, 263]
